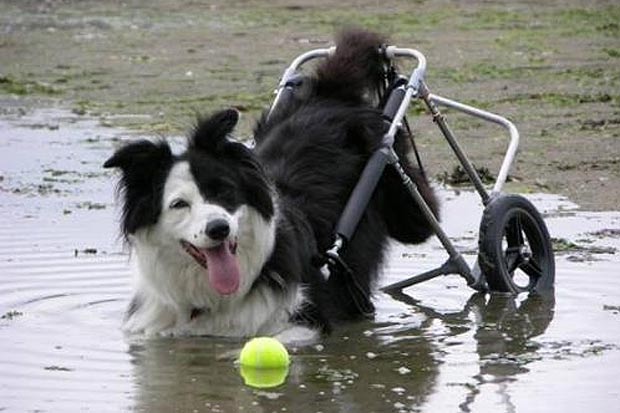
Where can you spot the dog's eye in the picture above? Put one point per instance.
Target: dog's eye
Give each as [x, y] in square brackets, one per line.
[179, 203]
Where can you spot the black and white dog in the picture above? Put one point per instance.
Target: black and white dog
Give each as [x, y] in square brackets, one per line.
[226, 238]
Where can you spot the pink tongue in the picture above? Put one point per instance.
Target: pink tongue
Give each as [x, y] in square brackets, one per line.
[223, 269]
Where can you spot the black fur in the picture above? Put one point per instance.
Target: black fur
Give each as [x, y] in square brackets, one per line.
[314, 151]
[145, 166]
[356, 71]
[211, 156]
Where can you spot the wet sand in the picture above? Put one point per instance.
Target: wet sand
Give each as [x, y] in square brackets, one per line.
[552, 67]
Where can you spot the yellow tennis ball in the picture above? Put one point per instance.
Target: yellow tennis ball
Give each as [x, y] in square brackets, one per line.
[264, 353]
[263, 378]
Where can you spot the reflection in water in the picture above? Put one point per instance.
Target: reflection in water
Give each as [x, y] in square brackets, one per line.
[503, 328]
[184, 375]
[365, 367]
[353, 371]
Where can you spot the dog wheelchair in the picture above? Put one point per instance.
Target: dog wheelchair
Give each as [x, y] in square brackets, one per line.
[514, 249]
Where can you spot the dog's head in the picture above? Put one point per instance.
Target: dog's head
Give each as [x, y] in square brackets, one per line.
[208, 207]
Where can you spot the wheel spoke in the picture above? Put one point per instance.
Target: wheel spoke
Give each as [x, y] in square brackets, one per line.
[514, 232]
[513, 259]
[532, 269]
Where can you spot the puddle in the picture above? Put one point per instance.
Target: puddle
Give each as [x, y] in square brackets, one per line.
[64, 284]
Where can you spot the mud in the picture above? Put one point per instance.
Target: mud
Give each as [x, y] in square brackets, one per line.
[552, 67]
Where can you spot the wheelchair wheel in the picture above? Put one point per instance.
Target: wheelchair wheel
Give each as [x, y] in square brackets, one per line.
[515, 252]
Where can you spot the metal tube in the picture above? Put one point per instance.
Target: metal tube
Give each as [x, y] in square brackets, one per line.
[292, 68]
[426, 210]
[303, 58]
[418, 74]
[360, 197]
[398, 118]
[416, 279]
[491, 117]
[443, 126]
[413, 87]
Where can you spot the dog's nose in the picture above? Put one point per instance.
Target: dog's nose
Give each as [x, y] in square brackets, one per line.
[218, 229]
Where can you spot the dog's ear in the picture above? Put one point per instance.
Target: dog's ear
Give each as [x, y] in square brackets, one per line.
[138, 155]
[145, 166]
[211, 132]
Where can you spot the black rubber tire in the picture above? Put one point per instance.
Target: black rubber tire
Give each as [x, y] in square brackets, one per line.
[514, 246]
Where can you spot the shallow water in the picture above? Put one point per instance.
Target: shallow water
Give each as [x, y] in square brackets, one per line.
[64, 284]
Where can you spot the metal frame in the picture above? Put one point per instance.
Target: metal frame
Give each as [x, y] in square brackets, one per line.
[415, 89]
[292, 70]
